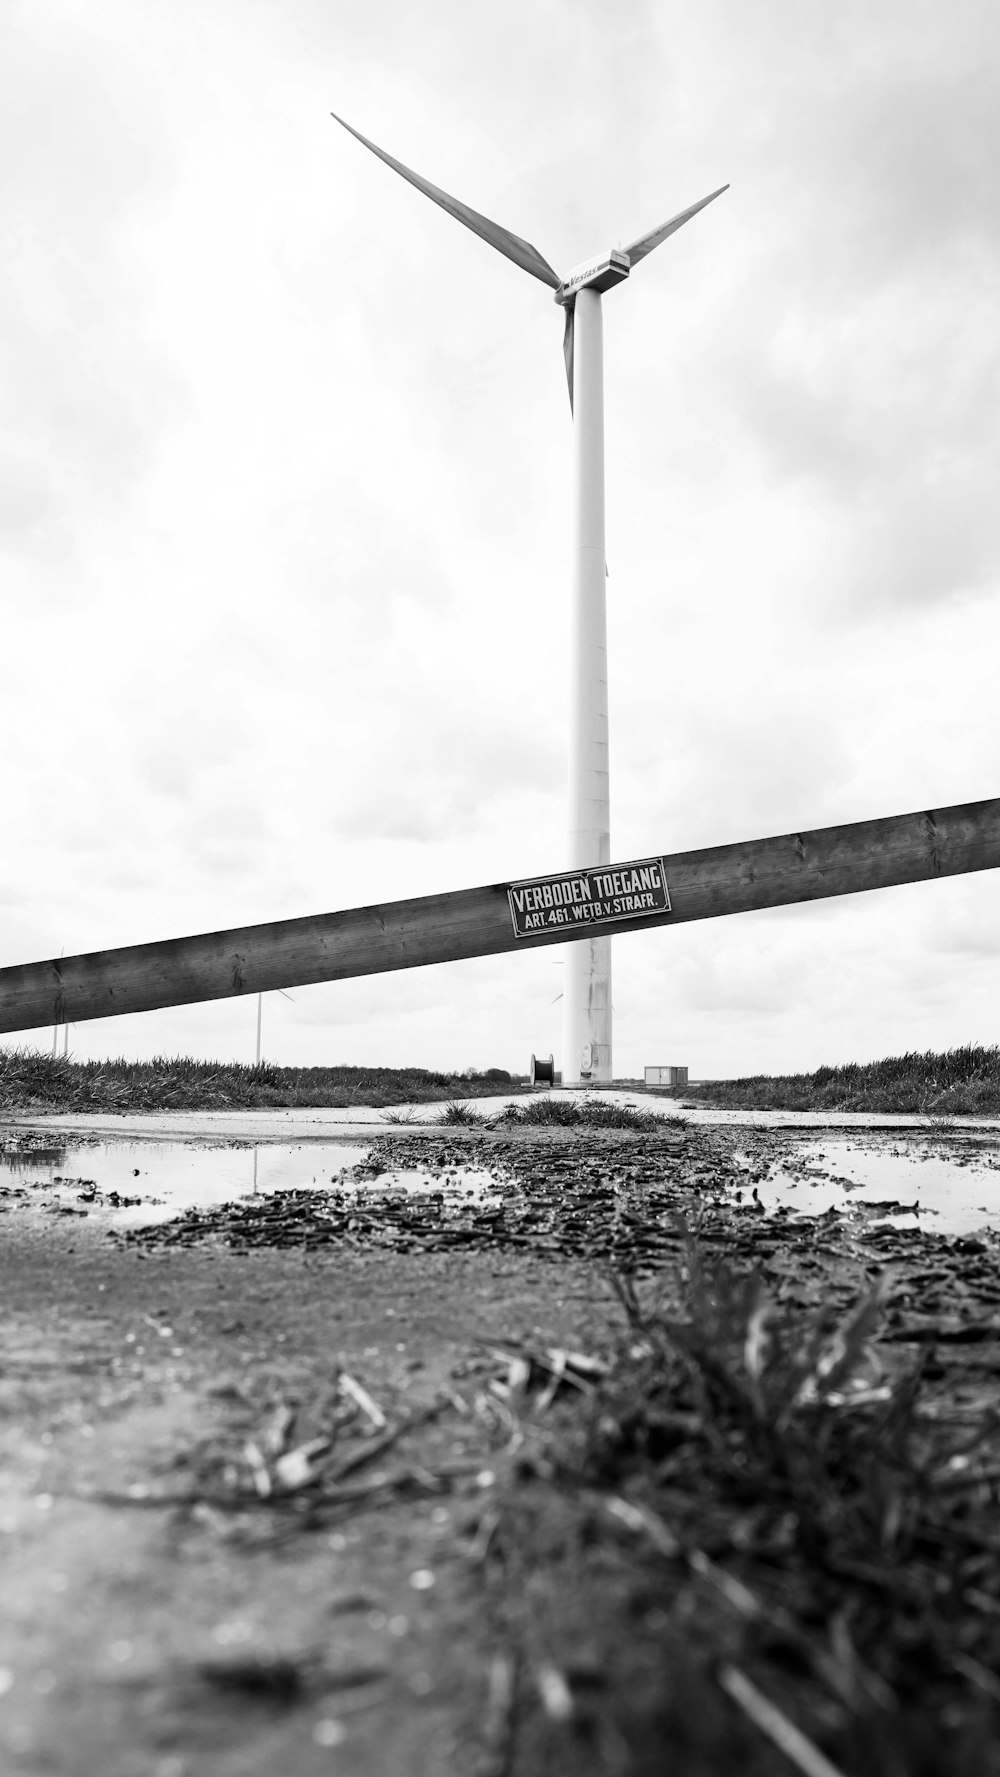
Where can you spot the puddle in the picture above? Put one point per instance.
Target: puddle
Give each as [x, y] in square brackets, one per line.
[952, 1190]
[155, 1180]
[139, 1182]
[946, 1181]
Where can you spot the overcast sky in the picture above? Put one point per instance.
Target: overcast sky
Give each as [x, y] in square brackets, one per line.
[284, 501]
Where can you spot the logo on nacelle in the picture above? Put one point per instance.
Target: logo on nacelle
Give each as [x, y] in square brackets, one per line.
[596, 274]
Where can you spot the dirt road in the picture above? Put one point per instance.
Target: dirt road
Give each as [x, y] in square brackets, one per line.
[259, 1486]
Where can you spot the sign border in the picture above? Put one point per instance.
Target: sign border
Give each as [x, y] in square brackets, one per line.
[611, 920]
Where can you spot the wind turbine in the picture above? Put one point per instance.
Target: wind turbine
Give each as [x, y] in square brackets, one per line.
[587, 968]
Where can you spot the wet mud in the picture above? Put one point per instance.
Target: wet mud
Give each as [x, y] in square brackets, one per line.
[564, 1469]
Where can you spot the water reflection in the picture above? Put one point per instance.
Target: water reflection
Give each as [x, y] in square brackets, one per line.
[472, 1184]
[154, 1180]
[54, 1156]
[945, 1187]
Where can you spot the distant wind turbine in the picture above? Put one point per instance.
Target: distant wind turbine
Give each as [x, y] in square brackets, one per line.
[260, 1014]
[587, 981]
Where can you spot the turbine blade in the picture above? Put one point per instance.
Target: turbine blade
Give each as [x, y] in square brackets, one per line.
[568, 349]
[647, 242]
[511, 245]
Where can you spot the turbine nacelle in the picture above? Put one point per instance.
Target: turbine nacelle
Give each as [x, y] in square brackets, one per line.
[595, 274]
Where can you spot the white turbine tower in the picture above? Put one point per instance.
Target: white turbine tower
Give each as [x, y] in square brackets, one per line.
[587, 968]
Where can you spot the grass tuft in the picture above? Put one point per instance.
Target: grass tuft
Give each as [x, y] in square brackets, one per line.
[464, 1114]
[812, 1514]
[578, 1113]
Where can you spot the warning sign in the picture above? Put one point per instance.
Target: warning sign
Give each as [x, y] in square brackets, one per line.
[603, 896]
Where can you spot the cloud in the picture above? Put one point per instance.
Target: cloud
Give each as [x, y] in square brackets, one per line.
[85, 391]
[966, 925]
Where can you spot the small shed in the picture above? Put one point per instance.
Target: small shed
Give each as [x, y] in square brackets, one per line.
[666, 1076]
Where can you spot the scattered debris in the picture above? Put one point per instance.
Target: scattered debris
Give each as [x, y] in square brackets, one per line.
[770, 1466]
[354, 1392]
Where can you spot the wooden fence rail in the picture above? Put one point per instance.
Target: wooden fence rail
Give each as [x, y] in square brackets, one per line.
[704, 884]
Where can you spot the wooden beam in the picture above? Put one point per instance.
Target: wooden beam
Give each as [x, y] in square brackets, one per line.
[704, 884]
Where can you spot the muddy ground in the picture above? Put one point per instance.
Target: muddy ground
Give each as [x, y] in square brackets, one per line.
[291, 1487]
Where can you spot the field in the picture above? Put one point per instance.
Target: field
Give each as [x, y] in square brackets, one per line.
[959, 1082]
[32, 1081]
[963, 1082]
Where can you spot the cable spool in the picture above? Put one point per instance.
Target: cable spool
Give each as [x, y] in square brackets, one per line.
[543, 1073]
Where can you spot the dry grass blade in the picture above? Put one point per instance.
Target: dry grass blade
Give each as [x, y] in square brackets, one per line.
[644, 1523]
[274, 1438]
[849, 1346]
[783, 1733]
[499, 1717]
[757, 1343]
[302, 1466]
[555, 1694]
[576, 1369]
[361, 1398]
[733, 1590]
[260, 1474]
[486, 1530]
[557, 1369]
[977, 1674]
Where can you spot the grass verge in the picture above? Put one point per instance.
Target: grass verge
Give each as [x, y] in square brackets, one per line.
[959, 1082]
[31, 1081]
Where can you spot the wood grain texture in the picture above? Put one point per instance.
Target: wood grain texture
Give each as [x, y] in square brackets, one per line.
[707, 884]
